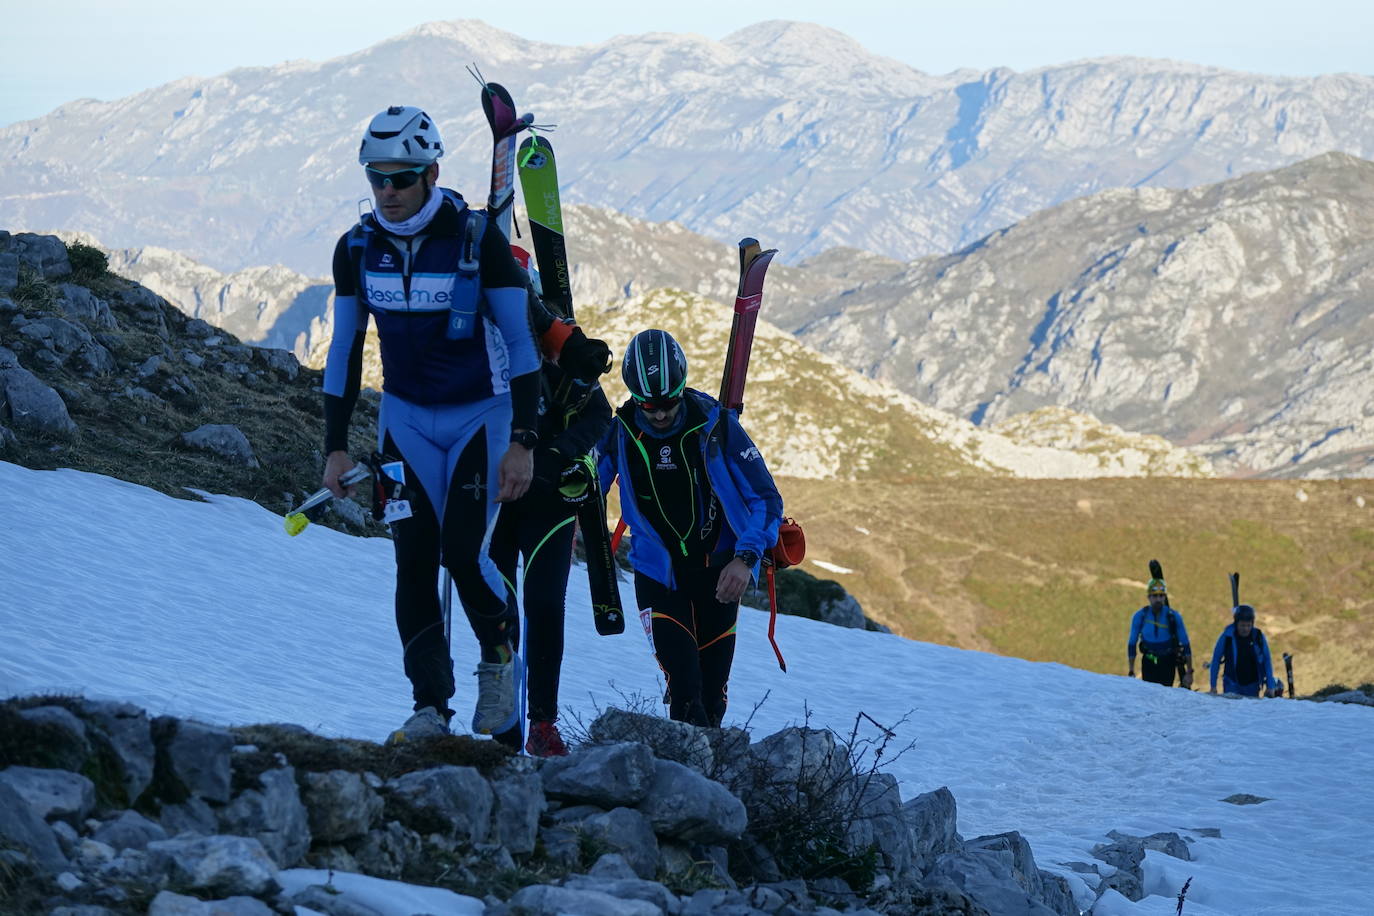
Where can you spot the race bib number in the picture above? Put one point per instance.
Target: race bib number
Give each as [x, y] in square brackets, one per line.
[396, 510]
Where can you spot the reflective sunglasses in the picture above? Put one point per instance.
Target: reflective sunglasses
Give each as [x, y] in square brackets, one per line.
[657, 405]
[399, 179]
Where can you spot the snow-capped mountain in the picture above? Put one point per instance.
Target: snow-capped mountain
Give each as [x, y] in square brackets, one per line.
[782, 126]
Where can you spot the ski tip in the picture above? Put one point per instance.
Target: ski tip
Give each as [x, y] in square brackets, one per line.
[296, 522]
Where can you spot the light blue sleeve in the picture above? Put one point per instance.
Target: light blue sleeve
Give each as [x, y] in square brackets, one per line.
[510, 307]
[350, 318]
[1137, 620]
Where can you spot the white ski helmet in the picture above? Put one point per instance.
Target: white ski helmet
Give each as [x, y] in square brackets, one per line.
[402, 133]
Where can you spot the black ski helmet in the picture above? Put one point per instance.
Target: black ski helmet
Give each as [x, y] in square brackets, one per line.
[655, 368]
[1243, 612]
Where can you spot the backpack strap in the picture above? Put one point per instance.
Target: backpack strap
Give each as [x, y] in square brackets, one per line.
[467, 285]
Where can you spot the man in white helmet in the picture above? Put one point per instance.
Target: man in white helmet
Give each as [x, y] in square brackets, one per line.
[456, 428]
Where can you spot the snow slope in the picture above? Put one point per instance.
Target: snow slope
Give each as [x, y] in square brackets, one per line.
[208, 609]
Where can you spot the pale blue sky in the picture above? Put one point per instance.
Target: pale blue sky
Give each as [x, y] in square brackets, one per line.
[55, 52]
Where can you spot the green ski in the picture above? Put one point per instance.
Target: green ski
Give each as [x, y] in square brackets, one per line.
[539, 183]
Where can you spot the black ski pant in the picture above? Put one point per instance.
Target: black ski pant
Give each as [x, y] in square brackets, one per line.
[538, 527]
[694, 641]
[421, 545]
[1159, 669]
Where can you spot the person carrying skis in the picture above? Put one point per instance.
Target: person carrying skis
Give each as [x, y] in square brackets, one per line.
[1163, 639]
[573, 415]
[458, 413]
[703, 508]
[1245, 652]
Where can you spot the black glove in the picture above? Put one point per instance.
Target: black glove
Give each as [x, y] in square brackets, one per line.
[584, 358]
[548, 468]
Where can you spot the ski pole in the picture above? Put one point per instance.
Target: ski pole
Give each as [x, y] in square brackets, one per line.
[299, 518]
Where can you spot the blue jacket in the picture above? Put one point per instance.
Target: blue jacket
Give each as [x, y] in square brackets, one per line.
[1152, 632]
[1226, 651]
[738, 475]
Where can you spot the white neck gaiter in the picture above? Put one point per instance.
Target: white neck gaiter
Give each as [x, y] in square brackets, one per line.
[416, 222]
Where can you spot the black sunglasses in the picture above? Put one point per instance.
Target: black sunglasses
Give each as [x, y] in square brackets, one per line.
[399, 179]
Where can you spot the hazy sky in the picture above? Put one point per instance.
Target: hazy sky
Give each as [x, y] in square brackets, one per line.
[55, 52]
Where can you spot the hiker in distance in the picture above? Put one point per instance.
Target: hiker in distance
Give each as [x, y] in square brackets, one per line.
[1245, 653]
[702, 509]
[1162, 638]
[457, 424]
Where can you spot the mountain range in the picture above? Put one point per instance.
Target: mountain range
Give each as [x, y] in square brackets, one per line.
[782, 125]
[1231, 318]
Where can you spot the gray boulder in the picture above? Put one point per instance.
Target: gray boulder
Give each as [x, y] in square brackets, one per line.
[124, 731]
[628, 889]
[606, 775]
[193, 816]
[998, 872]
[129, 830]
[1171, 844]
[388, 851]
[167, 903]
[196, 756]
[627, 832]
[64, 738]
[1350, 696]
[448, 800]
[81, 303]
[667, 739]
[879, 820]
[316, 898]
[809, 758]
[32, 407]
[688, 806]
[22, 829]
[548, 900]
[45, 254]
[52, 794]
[844, 611]
[282, 362]
[341, 805]
[519, 802]
[223, 439]
[69, 340]
[9, 278]
[221, 865]
[273, 814]
[932, 818]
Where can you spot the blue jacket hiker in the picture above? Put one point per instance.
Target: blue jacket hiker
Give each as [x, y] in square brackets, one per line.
[1158, 631]
[1244, 651]
[702, 508]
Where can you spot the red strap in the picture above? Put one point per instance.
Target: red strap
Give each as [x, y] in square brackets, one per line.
[773, 618]
[620, 527]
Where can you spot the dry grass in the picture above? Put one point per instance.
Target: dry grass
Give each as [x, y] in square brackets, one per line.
[1051, 570]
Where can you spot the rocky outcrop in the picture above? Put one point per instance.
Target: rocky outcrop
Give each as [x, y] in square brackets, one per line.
[791, 823]
[1234, 316]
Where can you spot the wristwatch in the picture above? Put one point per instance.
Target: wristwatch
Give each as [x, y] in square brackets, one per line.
[748, 556]
[526, 437]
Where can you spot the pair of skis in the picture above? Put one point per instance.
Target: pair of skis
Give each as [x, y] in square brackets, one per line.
[538, 173]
